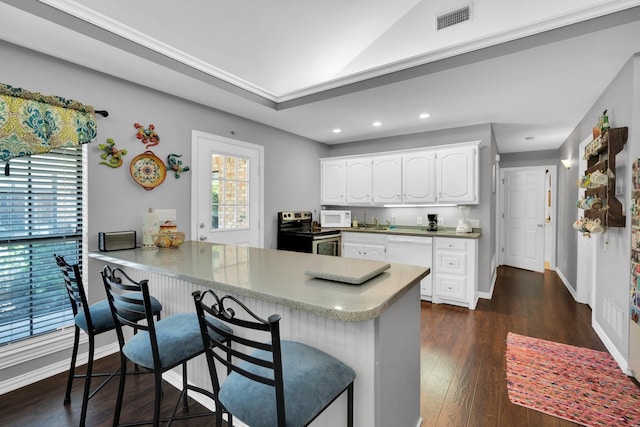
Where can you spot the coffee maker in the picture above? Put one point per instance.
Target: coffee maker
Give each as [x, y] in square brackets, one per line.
[432, 222]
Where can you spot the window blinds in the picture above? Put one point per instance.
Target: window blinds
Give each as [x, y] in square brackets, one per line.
[40, 214]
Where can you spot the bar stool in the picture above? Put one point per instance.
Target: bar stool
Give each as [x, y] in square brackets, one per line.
[159, 346]
[306, 380]
[93, 319]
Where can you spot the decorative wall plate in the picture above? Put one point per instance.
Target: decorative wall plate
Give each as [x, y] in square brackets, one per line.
[148, 170]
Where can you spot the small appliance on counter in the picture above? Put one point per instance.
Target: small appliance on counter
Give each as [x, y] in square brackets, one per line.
[464, 226]
[432, 222]
[337, 219]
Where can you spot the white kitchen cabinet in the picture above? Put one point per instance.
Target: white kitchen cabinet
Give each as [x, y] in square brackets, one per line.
[419, 177]
[387, 180]
[457, 175]
[413, 250]
[363, 246]
[455, 271]
[333, 182]
[359, 184]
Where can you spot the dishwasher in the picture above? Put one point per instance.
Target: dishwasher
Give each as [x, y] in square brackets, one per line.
[413, 250]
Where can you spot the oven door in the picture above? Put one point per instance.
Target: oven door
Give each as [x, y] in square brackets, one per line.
[327, 245]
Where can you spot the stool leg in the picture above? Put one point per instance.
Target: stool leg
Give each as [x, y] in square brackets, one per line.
[185, 402]
[72, 368]
[350, 405]
[123, 376]
[157, 374]
[87, 382]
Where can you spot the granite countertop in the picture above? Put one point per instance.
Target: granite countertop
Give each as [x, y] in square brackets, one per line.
[277, 276]
[414, 231]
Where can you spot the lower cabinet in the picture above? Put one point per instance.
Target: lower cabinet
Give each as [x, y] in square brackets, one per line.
[364, 246]
[455, 270]
[453, 262]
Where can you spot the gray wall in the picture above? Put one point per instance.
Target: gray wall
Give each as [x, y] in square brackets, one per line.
[530, 158]
[116, 202]
[612, 277]
[485, 211]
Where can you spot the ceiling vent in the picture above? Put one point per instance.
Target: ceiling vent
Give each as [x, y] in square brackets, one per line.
[454, 17]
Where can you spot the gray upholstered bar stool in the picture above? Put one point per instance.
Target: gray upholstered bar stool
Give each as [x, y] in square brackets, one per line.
[159, 346]
[273, 382]
[93, 319]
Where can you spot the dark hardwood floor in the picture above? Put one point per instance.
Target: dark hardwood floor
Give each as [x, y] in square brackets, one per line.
[462, 375]
[463, 380]
[41, 404]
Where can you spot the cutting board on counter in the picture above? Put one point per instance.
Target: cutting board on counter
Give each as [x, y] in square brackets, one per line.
[348, 270]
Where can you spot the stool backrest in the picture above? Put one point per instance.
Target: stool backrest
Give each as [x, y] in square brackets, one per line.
[75, 289]
[126, 308]
[237, 351]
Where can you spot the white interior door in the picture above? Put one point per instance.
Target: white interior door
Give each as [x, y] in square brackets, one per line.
[226, 194]
[524, 218]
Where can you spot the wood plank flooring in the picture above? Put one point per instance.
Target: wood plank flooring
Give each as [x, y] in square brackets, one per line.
[41, 404]
[463, 381]
[462, 373]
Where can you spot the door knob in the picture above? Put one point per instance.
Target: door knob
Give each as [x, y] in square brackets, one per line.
[202, 237]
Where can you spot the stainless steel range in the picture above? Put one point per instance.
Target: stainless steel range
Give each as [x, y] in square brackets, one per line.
[296, 233]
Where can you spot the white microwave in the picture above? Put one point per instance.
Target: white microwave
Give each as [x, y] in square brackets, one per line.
[335, 218]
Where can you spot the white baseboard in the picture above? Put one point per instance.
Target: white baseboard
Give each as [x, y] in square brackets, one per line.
[54, 369]
[489, 295]
[622, 362]
[567, 284]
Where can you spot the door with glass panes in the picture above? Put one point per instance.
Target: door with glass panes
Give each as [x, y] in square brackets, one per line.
[227, 190]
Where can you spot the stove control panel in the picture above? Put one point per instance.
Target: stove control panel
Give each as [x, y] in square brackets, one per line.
[295, 216]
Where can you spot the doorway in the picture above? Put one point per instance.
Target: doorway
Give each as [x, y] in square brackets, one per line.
[227, 190]
[527, 216]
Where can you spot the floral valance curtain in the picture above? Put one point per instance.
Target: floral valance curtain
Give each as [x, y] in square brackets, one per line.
[31, 123]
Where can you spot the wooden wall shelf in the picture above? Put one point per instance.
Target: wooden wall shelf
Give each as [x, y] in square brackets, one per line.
[604, 158]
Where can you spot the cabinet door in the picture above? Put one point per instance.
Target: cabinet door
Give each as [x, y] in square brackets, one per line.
[359, 180]
[332, 182]
[419, 177]
[387, 179]
[352, 250]
[374, 252]
[457, 175]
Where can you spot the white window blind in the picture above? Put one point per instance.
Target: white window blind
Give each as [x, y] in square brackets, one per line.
[40, 214]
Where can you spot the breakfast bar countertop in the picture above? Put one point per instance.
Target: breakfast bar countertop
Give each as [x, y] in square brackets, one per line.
[278, 276]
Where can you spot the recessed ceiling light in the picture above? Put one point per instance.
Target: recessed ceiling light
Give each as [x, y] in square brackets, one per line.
[425, 115]
[336, 130]
[376, 124]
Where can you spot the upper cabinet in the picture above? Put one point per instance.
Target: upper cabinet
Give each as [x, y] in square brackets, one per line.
[333, 182]
[457, 175]
[426, 176]
[387, 179]
[359, 181]
[419, 177]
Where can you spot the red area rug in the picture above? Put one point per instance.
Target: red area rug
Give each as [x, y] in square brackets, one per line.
[577, 384]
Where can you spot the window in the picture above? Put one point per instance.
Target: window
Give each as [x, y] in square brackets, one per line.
[41, 212]
[229, 192]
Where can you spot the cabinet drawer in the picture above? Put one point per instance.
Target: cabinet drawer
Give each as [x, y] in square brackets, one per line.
[452, 244]
[451, 286]
[451, 262]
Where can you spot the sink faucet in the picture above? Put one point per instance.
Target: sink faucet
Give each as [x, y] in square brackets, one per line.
[375, 222]
[364, 224]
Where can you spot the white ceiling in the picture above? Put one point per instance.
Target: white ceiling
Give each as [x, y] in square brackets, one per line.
[530, 68]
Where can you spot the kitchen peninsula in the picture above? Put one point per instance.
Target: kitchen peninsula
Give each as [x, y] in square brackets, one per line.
[374, 327]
